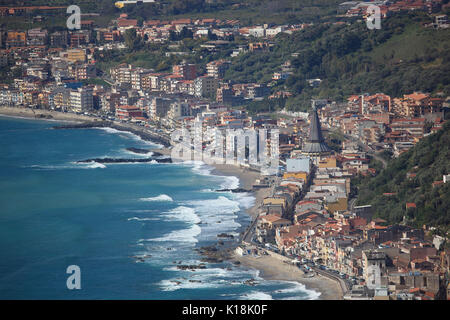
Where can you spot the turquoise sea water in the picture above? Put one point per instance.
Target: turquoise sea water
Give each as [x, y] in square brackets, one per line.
[55, 213]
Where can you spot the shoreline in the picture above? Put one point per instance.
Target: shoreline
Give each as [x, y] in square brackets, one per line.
[46, 115]
[271, 267]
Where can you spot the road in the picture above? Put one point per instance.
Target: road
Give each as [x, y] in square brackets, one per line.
[352, 204]
[344, 285]
[367, 149]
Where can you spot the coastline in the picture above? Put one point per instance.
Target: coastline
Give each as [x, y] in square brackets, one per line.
[271, 267]
[37, 114]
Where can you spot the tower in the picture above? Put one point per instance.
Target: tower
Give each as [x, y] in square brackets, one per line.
[315, 146]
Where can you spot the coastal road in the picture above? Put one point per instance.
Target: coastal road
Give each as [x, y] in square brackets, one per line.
[248, 234]
[344, 286]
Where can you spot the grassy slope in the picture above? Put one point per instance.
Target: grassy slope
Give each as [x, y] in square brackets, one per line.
[429, 159]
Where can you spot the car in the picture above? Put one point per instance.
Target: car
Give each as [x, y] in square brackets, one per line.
[322, 267]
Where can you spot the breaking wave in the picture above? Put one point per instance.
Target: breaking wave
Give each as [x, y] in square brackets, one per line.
[161, 197]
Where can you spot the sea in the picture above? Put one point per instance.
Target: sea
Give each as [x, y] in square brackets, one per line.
[128, 227]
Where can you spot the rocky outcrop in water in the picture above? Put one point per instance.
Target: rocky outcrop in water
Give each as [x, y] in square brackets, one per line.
[139, 151]
[145, 135]
[191, 267]
[225, 235]
[212, 254]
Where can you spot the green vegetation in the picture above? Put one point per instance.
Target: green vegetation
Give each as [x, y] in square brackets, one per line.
[9, 73]
[350, 59]
[429, 161]
[248, 12]
[402, 57]
[96, 81]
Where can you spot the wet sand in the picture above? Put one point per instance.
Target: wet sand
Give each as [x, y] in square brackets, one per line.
[272, 267]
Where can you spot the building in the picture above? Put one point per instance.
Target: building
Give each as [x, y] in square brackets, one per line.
[298, 165]
[315, 146]
[159, 107]
[81, 100]
[205, 86]
[16, 39]
[36, 37]
[121, 74]
[257, 91]
[217, 69]
[374, 266]
[185, 71]
[127, 112]
[82, 71]
[75, 55]
[178, 110]
[59, 39]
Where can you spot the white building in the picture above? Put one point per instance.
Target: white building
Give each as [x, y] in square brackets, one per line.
[298, 165]
[374, 264]
[257, 32]
[81, 100]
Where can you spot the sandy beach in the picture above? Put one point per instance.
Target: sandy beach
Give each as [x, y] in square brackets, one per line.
[271, 267]
[44, 114]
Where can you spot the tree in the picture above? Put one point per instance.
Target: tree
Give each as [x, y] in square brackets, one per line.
[211, 36]
[132, 40]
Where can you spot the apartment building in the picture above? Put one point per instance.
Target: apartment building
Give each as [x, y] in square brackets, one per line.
[205, 86]
[81, 99]
[217, 69]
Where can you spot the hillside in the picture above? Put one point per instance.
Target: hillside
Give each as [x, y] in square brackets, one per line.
[248, 12]
[429, 160]
[401, 57]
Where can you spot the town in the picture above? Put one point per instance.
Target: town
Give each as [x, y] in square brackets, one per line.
[309, 214]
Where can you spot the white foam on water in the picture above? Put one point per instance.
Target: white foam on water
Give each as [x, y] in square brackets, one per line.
[161, 197]
[93, 165]
[246, 200]
[142, 155]
[297, 288]
[141, 211]
[184, 235]
[142, 219]
[178, 283]
[130, 135]
[199, 167]
[73, 165]
[231, 182]
[256, 295]
[183, 213]
[217, 215]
